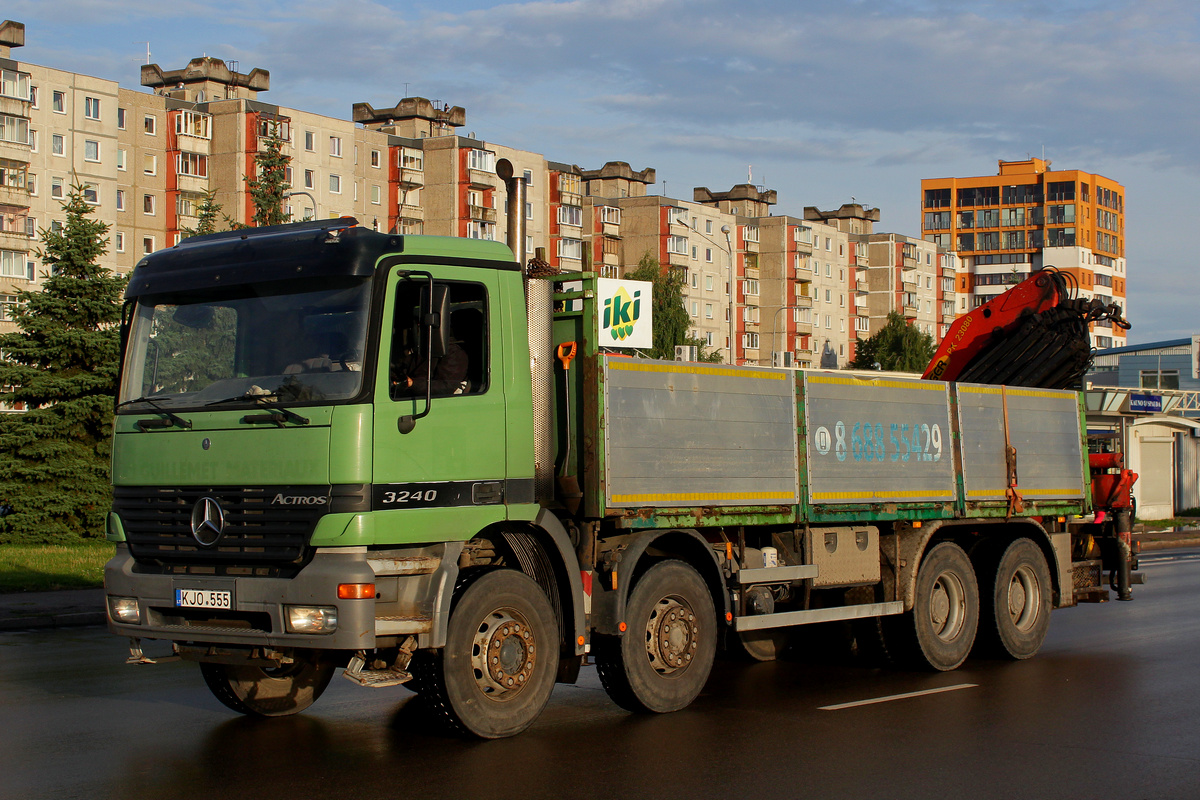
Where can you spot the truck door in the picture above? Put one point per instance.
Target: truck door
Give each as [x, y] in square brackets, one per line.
[445, 478]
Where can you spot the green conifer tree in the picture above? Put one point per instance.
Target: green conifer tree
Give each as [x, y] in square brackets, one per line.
[270, 184]
[671, 320]
[208, 214]
[61, 367]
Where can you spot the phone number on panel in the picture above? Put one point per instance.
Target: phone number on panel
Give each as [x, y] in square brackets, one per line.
[872, 442]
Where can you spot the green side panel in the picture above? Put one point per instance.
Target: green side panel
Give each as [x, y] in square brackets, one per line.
[419, 525]
[259, 456]
[350, 444]
[518, 388]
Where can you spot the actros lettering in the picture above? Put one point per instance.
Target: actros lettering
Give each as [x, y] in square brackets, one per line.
[299, 500]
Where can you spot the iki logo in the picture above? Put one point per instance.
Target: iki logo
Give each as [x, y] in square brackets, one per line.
[621, 312]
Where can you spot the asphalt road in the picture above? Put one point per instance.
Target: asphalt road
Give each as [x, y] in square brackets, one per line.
[1109, 709]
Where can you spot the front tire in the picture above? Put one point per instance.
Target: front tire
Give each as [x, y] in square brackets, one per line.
[275, 692]
[1016, 603]
[664, 659]
[940, 629]
[497, 670]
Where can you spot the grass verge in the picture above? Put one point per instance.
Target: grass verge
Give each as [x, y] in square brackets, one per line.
[46, 567]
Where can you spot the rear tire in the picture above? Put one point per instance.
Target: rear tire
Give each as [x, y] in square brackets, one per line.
[497, 670]
[261, 692]
[763, 645]
[940, 629]
[1016, 603]
[664, 659]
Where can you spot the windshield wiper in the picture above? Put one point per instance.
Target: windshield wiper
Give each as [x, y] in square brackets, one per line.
[147, 424]
[269, 400]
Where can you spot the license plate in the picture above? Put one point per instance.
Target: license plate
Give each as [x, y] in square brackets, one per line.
[203, 598]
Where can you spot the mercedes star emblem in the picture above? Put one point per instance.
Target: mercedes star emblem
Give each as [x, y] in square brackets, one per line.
[208, 521]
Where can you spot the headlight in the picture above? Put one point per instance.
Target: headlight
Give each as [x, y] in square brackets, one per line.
[124, 610]
[311, 619]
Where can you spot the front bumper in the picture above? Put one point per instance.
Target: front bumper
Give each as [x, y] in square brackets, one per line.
[258, 614]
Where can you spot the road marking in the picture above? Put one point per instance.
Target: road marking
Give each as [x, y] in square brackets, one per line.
[904, 696]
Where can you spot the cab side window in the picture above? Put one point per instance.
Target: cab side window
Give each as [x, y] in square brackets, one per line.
[463, 368]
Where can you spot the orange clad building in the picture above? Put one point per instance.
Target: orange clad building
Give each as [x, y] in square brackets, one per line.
[1025, 218]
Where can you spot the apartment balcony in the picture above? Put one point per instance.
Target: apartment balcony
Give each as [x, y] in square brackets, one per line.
[570, 199]
[750, 247]
[860, 301]
[198, 144]
[191, 183]
[862, 336]
[14, 196]
[678, 259]
[190, 221]
[947, 272]
[802, 301]
[14, 106]
[411, 212]
[611, 259]
[481, 179]
[15, 240]
[803, 328]
[14, 151]
[910, 280]
[482, 214]
[860, 286]
[611, 230]
[412, 178]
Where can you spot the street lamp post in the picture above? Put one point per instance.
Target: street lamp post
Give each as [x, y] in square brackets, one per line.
[775, 327]
[306, 194]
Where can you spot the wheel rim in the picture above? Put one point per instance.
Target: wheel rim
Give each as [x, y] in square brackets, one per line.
[947, 606]
[672, 635]
[1024, 599]
[503, 654]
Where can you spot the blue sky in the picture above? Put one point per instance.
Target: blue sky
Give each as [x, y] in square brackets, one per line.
[826, 101]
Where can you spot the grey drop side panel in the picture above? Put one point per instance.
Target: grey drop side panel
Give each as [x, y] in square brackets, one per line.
[681, 434]
[881, 440]
[1043, 427]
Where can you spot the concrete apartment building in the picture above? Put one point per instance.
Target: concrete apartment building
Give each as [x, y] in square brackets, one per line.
[1026, 217]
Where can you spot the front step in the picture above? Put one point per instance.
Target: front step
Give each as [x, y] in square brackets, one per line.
[375, 678]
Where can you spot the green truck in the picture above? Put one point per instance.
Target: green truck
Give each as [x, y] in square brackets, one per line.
[405, 458]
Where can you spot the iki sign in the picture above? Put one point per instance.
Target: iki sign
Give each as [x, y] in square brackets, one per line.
[626, 319]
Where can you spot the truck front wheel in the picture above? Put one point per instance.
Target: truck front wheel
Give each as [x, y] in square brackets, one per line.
[269, 692]
[666, 654]
[1016, 603]
[497, 670]
[939, 631]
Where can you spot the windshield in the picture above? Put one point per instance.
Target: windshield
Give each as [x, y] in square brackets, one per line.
[253, 341]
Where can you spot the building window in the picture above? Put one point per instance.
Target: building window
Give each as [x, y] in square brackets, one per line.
[119, 241]
[695, 309]
[12, 264]
[58, 145]
[91, 150]
[59, 103]
[376, 194]
[148, 204]
[56, 188]
[482, 160]
[610, 215]
[1159, 379]
[708, 283]
[150, 164]
[310, 141]
[147, 245]
[569, 248]
[120, 119]
[121, 154]
[14, 129]
[708, 311]
[375, 159]
[708, 254]
[149, 124]
[91, 107]
[750, 286]
[16, 84]
[33, 140]
[750, 341]
[335, 146]
[677, 245]
[91, 194]
[193, 164]
[527, 177]
[120, 199]
[412, 159]
[529, 211]
[335, 184]
[708, 226]
[572, 215]
[193, 123]
[309, 179]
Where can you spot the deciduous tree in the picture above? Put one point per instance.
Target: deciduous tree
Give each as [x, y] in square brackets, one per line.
[671, 320]
[897, 347]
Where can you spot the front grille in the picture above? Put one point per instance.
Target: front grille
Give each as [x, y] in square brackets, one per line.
[1086, 575]
[158, 523]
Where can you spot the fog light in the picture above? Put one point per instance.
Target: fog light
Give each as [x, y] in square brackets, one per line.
[124, 610]
[311, 619]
